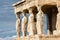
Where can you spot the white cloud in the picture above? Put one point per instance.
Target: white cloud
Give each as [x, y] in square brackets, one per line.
[8, 38]
[8, 32]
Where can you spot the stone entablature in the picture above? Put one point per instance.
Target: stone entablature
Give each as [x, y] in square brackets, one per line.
[22, 5]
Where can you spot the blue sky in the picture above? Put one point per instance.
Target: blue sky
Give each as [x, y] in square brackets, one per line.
[7, 18]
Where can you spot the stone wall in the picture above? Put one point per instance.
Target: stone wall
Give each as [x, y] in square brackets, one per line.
[36, 37]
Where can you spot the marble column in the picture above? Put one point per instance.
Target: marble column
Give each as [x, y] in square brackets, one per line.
[18, 24]
[24, 24]
[39, 24]
[58, 19]
[31, 23]
[57, 32]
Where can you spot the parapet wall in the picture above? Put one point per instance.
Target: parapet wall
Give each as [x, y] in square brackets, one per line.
[36, 37]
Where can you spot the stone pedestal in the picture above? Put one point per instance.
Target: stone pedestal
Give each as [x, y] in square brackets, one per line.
[42, 37]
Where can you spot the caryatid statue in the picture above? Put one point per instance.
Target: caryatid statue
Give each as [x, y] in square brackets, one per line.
[18, 24]
[38, 26]
[39, 23]
[24, 24]
[31, 23]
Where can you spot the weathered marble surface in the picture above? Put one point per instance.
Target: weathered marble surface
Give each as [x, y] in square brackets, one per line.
[41, 37]
[18, 25]
[36, 27]
[24, 24]
[31, 24]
